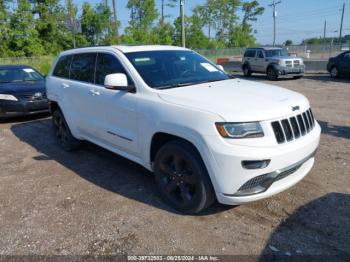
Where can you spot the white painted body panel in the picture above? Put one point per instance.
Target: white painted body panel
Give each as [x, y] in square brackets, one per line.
[190, 113]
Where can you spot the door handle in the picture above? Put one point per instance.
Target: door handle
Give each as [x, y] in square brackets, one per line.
[94, 92]
[64, 85]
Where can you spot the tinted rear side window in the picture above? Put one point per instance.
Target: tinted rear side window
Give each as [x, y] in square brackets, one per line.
[83, 67]
[107, 64]
[62, 67]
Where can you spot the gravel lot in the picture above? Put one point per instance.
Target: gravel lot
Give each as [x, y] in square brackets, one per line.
[94, 202]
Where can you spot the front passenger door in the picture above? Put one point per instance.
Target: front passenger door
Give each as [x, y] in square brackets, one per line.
[114, 110]
[260, 61]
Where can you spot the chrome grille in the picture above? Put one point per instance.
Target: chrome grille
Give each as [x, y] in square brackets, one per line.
[296, 63]
[288, 129]
[289, 64]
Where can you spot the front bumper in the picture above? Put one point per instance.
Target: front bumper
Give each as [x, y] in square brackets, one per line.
[228, 175]
[300, 70]
[23, 107]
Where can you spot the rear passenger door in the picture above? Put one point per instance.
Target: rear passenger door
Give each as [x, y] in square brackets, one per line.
[78, 92]
[113, 111]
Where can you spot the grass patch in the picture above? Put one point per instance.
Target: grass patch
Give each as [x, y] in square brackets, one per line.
[42, 63]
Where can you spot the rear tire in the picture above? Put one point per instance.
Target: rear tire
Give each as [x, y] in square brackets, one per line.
[272, 73]
[67, 141]
[334, 72]
[246, 71]
[182, 177]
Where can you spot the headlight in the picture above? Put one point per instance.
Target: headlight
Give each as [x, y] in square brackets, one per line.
[301, 62]
[240, 130]
[8, 97]
[280, 62]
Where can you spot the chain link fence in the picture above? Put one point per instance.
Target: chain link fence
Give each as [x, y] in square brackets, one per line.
[311, 52]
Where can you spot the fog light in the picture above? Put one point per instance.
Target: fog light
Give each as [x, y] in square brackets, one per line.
[255, 164]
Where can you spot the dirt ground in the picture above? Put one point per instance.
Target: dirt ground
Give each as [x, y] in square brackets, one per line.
[94, 202]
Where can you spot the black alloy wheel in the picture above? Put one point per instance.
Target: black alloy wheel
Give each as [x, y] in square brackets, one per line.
[182, 177]
[246, 71]
[62, 132]
[272, 73]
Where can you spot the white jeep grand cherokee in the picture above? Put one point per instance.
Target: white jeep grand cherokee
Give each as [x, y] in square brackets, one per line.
[205, 135]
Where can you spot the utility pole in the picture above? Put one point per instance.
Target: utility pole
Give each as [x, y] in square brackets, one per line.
[273, 5]
[182, 13]
[324, 32]
[341, 25]
[115, 21]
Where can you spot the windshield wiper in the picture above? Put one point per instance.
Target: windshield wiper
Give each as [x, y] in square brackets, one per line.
[189, 83]
[176, 85]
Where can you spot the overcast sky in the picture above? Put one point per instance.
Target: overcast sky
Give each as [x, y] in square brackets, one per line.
[296, 19]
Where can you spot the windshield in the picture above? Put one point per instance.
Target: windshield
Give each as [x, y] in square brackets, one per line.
[167, 69]
[19, 75]
[276, 52]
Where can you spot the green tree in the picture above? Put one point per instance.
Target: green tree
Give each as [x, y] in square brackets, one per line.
[195, 37]
[164, 34]
[242, 35]
[143, 16]
[51, 25]
[4, 28]
[289, 42]
[95, 24]
[23, 37]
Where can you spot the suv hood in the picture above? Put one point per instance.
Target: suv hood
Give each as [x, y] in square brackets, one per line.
[237, 100]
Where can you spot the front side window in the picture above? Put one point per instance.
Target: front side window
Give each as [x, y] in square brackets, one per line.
[107, 64]
[83, 67]
[62, 67]
[260, 54]
[19, 75]
[167, 69]
[276, 52]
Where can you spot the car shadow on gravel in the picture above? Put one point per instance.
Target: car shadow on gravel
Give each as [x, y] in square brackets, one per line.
[334, 130]
[99, 166]
[262, 77]
[21, 119]
[316, 230]
[327, 78]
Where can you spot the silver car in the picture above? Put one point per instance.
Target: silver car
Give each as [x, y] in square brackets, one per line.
[272, 61]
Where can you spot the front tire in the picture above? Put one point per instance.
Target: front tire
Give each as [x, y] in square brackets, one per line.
[334, 72]
[246, 71]
[272, 73]
[182, 178]
[67, 141]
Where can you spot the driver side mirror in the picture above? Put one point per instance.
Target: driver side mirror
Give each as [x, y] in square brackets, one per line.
[118, 81]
